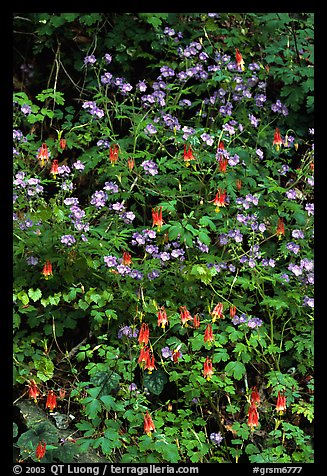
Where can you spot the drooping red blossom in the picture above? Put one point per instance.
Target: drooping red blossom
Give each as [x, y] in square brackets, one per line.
[131, 163]
[157, 217]
[40, 450]
[281, 403]
[113, 153]
[239, 59]
[220, 199]
[51, 402]
[62, 144]
[232, 311]
[47, 269]
[127, 258]
[176, 354]
[217, 312]
[255, 396]
[223, 162]
[188, 154]
[162, 317]
[148, 424]
[33, 390]
[196, 321]
[280, 227]
[253, 415]
[43, 154]
[54, 168]
[150, 362]
[185, 315]
[144, 333]
[277, 139]
[238, 184]
[208, 334]
[143, 357]
[208, 369]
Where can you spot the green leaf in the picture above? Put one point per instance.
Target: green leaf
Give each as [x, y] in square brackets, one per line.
[93, 408]
[235, 369]
[155, 381]
[35, 295]
[22, 296]
[106, 381]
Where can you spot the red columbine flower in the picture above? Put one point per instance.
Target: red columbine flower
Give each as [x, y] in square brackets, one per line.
[113, 153]
[223, 161]
[277, 139]
[280, 227]
[148, 424]
[40, 450]
[162, 317]
[238, 184]
[131, 163]
[196, 321]
[255, 396]
[232, 311]
[157, 217]
[208, 334]
[143, 357]
[144, 334]
[54, 168]
[150, 363]
[51, 402]
[62, 144]
[281, 403]
[239, 60]
[47, 269]
[188, 154]
[176, 354]
[127, 258]
[219, 199]
[253, 415]
[207, 369]
[185, 315]
[33, 390]
[43, 155]
[217, 312]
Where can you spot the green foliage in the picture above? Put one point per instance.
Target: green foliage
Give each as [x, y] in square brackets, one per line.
[222, 282]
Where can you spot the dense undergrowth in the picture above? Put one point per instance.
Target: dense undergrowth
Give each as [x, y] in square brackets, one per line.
[163, 235]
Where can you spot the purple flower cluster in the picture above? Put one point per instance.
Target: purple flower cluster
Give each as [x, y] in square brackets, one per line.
[279, 108]
[149, 167]
[207, 138]
[129, 332]
[222, 266]
[26, 109]
[99, 198]
[116, 263]
[248, 201]
[91, 59]
[30, 186]
[68, 240]
[216, 438]
[251, 220]
[32, 260]
[77, 216]
[251, 322]
[93, 109]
